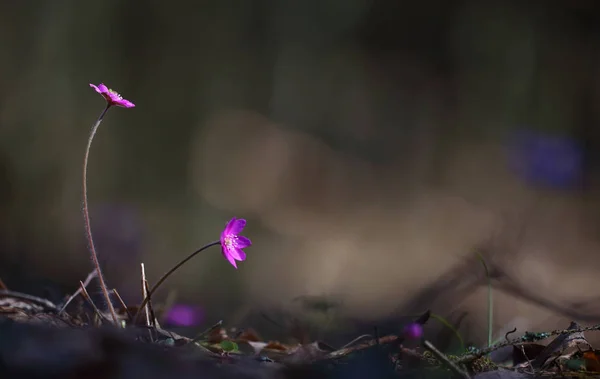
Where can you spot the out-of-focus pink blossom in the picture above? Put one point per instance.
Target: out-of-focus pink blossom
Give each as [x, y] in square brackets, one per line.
[184, 315]
[413, 331]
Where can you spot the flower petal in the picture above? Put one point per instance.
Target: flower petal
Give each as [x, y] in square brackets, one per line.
[96, 88]
[103, 88]
[229, 226]
[230, 258]
[124, 103]
[242, 242]
[237, 254]
[238, 226]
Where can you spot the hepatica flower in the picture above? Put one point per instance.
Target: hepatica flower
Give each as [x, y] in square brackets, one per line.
[231, 247]
[546, 160]
[232, 243]
[413, 331]
[112, 97]
[184, 315]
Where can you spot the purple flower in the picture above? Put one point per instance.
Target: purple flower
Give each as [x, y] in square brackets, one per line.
[184, 315]
[112, 97]
[546, 160]
[232, 243]
[413, 331]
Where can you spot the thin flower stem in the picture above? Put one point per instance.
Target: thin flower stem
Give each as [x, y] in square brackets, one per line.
[86, 218]
[166, 275]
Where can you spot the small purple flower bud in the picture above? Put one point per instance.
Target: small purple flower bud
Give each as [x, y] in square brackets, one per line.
[413, 331]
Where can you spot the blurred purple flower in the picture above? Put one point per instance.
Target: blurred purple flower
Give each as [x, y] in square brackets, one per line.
[546, 160]
[232, 243]
[184, 315]
[112, 97]
[413, 331]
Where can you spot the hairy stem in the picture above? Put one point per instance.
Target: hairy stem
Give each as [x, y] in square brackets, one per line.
[86, 219]
[167, 274]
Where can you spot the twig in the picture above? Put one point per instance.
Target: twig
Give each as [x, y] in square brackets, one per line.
[367, 344]
[148, 303]
[34, 299]
[87, 281]
[145, 295]
[207, 331]
[360, 338]
[150, 307]
[167, 274]
[129, 315]
[528, 337]
[87, 297]
[444, 359]
[528, 360]
[390, 339]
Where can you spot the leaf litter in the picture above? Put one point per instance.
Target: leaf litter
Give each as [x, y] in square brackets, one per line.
[568, 354]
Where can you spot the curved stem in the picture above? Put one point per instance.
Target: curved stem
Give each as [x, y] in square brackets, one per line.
[86, 218]
[166, 275]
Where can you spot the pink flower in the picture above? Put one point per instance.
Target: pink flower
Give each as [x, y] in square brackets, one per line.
[184, 315]
[413, 331]
[112, 97]
[232, 243]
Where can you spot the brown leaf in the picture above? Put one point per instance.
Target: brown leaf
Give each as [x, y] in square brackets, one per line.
[248, 335]
[217, 335]
[307, 353]
[276, 345]
[532, 350]
[561, 346]
[592, 360]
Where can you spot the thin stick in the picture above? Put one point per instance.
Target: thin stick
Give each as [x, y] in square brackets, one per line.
[149, 305]
[528, 337]
[360, 338]
[34, 299]
[207, 331]
[167, 274]
[145, 295]
[444, 359]
[129, 315]
[86, 218]
[87, 297]
[87, 281]
[385, 340]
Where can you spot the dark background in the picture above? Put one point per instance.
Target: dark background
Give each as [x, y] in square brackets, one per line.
[369, 144]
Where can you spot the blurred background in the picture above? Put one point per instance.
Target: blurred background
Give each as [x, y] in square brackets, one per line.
[373, 146]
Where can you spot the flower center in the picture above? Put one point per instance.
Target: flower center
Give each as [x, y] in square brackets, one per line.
[116, 94]
[229, 241]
